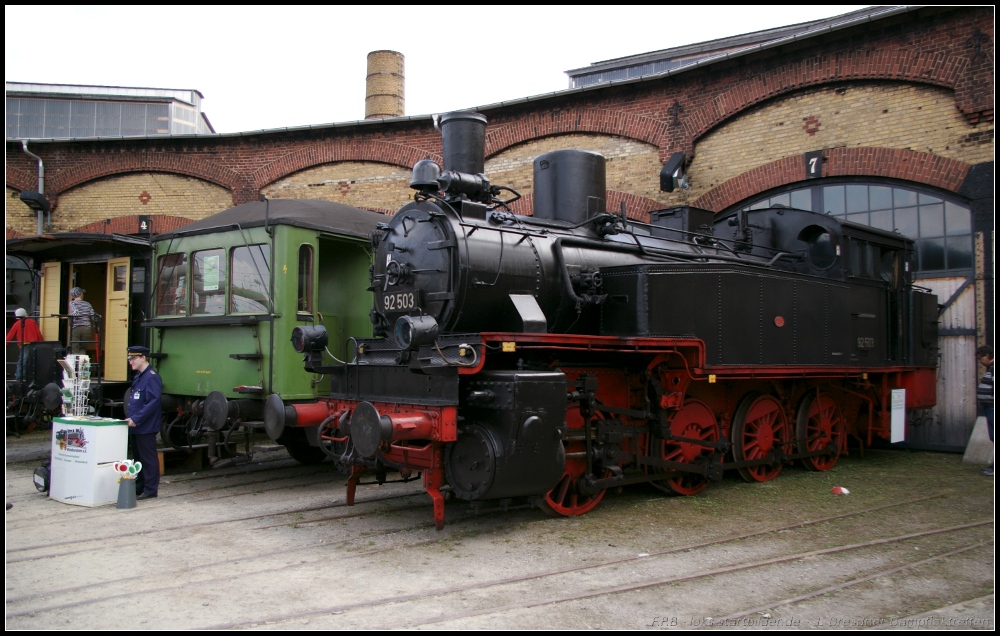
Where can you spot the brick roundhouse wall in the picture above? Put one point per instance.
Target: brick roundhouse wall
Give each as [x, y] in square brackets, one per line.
[908, 97]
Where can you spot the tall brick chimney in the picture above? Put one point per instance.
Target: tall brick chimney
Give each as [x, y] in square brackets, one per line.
[384, 88]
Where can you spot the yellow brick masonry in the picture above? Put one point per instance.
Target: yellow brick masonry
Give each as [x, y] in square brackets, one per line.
[919, 118]
[632, 166]
[18, 216]
[384, 88]
[360, 183]
[112, 197]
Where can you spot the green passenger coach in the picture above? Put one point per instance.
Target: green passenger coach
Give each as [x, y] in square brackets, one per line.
[227, 291]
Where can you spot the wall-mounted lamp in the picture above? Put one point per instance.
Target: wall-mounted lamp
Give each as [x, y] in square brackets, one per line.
[672, 175]
[37, 202]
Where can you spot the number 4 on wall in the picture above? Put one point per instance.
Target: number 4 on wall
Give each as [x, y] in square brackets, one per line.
[814, 164]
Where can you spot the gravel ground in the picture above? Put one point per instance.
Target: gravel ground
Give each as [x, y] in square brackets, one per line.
[272, 546]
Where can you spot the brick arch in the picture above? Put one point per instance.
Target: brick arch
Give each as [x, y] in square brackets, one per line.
[895, 163]
[128, 224]
[376, 151]
[21, 180]
[937, 69]
[636, 207]
[575, 120]
[109, 165]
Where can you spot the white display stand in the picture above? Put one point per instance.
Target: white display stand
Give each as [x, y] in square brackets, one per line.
[84, 450]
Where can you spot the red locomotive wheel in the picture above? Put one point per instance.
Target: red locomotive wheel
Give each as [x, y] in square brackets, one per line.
[565, 500]
[695, 421]
[820, 421]
[759, 427]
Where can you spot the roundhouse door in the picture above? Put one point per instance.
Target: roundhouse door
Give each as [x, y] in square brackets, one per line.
[48, 299]
[116, 321]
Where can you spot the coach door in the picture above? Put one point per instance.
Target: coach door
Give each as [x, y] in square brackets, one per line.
[48, 299]
[116, 321]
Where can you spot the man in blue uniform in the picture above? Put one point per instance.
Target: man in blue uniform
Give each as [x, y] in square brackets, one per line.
[142, 407]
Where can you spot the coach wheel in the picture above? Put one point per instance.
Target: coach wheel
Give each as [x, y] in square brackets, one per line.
[759, 428]
[820, 423]
[22, 425]
[694, 421]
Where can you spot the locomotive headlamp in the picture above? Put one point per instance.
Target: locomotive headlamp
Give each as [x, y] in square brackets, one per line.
[414, 331]
[309, 338]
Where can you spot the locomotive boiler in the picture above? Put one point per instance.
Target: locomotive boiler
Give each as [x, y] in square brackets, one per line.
[552, 356]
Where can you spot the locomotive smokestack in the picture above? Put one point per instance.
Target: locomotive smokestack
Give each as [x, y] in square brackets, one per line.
[463, 135]
[384, 88]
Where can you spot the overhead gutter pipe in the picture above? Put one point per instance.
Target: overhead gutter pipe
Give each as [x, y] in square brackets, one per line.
[41, 178]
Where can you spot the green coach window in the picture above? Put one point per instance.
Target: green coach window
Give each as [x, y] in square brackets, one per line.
[208, 282]
[305, 286]
[251, 276]
[171, 285]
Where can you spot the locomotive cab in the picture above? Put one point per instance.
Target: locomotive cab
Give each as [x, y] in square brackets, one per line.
[791, 239]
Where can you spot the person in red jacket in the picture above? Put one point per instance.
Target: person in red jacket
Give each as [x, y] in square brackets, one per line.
[23, 331]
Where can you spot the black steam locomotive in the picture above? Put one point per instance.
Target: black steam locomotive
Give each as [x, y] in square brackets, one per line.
[550, 357]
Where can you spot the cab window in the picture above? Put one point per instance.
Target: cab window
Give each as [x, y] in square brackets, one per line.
[862, 259]
[890, 266]
[171, 285]
[208, 282]
[251, 276]
[823, 250]
[305, 287]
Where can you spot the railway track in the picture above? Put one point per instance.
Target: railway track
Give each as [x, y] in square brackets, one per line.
[395, 600]
[373, 559]
[614, 590]
[766, 609]
[245, 474]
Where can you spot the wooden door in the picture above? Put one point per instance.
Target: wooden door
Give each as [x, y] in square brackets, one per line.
[115, 336]
[48, 299]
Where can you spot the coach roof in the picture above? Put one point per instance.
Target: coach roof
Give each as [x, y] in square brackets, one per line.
[315, 214]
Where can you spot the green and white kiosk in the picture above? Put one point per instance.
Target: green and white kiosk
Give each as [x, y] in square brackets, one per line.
[84, 451]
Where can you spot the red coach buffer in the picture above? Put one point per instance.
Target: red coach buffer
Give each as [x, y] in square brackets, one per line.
[550, 357]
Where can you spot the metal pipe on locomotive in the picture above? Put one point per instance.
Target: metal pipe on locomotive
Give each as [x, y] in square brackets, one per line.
[554, 356]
